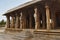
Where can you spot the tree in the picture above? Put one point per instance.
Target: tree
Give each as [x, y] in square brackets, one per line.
[2, 22]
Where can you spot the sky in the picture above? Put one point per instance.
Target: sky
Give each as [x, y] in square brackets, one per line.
[9, 4]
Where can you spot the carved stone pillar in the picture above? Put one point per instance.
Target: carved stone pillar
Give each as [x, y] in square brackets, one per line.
[43, 20]
[12, 21]
[17, 23]
[30, 23]
[37, 19]
[52, 18]
[21, 21]
[24, 19]
[8, 22]
[47, 17]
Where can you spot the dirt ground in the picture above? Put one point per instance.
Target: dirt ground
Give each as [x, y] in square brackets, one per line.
[26, 35]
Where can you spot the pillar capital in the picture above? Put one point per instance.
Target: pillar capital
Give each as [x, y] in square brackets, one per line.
[35, 9]
[46, 6]
[7, 16]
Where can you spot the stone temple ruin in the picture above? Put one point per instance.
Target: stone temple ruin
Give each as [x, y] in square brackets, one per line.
[39, 15]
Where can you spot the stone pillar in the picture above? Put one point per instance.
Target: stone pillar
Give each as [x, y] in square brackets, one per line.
[52, 18]
[21, 22]
[43, 20]
[17, 23]
[30, 21]
[8, 22]
[37, 19]
[12, 21]
[47, 17]
[24, 19]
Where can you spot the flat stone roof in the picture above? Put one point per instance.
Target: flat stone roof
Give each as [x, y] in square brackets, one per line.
[23, 5]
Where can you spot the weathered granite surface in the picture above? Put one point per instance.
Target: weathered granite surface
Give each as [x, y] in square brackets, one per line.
[27, 35]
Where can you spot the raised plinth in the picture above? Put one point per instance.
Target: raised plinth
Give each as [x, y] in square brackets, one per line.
[13, 29]
[47, 32]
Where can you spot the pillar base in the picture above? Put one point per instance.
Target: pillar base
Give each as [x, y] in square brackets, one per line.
[13, 30]
[46, 32]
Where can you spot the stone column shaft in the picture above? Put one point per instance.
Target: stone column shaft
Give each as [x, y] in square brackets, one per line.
[21, 21]
[8, 22]
[52, 18]
[37, 21]
[24, 19]
[43, 21]
[48, 17]
[17, 23]
[13, 22]
[30, 21]
[24, 22]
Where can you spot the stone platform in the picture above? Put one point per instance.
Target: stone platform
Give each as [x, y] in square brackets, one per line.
[13, 29]
[49, 32]
[27, 35]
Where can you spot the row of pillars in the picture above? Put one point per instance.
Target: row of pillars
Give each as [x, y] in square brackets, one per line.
[19, 19]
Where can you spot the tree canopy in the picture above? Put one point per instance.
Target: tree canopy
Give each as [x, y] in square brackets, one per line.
[2, 22]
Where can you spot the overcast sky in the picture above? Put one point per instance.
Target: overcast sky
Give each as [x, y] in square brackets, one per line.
[8, 4]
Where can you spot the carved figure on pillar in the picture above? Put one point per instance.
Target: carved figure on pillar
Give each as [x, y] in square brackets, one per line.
[37, 21]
